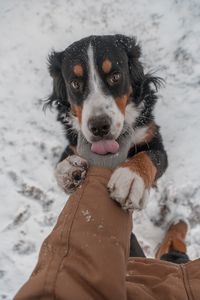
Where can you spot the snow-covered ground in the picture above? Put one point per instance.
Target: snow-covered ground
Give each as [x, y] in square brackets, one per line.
[31, 142]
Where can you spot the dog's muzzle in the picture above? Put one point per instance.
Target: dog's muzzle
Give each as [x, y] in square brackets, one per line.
[100, 126]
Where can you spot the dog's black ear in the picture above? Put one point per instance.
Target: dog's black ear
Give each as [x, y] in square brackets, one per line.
[133, 52]
[59, 93]
[139, 80]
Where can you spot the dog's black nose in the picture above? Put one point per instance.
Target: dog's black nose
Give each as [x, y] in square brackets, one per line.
[99, 126]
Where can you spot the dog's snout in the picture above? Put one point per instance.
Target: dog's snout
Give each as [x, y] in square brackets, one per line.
[99, 126]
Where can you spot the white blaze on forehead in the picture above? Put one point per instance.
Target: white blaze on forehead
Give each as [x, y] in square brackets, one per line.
[94, 83]
[97, 103]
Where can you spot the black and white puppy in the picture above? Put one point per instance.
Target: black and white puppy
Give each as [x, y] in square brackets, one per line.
[99, 86]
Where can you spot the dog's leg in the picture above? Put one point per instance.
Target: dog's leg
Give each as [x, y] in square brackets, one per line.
[131, 182]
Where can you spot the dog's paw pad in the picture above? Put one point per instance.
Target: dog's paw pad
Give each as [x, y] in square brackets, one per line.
[71, 172]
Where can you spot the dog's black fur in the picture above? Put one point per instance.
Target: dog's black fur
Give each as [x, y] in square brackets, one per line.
[124, 54]
[127, 52]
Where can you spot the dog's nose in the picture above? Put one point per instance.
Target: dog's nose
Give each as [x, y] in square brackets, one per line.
[99, 126]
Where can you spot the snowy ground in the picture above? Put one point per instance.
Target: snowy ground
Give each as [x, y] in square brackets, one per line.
[31, 141]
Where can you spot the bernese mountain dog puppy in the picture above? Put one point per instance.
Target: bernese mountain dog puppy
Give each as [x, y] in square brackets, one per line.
[99, 85]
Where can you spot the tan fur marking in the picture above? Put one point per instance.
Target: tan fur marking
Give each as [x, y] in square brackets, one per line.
[143, 166]
[106, 66]
[150, 133]
[121, 103]
[78, 70]
[77, 111]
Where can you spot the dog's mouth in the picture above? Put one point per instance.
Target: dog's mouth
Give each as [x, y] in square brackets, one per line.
[111, 146]
[113, 153]
[104, 147]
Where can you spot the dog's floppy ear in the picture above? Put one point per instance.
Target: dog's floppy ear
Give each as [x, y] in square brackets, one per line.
[139, 80]
[59, 93]
[133, 52]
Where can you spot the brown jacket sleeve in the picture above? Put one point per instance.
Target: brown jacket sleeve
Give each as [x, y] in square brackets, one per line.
[86, 254]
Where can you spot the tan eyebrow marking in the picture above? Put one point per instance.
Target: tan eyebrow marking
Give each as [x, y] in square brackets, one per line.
[78, 70]
[106, 65]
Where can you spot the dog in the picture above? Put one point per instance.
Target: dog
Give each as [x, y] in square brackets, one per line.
[99, 85]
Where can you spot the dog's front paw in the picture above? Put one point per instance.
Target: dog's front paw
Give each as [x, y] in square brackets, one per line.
[128, 188]
[71, 172]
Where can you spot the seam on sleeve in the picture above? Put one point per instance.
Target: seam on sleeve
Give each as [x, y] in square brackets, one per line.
[67, 230]
[186, 283]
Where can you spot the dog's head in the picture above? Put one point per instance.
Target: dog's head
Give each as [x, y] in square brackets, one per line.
[98, 82]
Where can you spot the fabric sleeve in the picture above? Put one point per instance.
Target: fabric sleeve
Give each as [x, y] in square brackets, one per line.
[85, 256]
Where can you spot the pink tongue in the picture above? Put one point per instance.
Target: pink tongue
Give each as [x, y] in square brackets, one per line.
[105, 146]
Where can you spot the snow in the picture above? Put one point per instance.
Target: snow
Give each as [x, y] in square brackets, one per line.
[31, 142]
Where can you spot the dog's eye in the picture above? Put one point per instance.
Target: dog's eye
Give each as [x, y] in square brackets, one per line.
[75, 85]
[114, 78]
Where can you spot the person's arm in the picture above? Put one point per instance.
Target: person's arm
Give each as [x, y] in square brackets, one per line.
[86, 254]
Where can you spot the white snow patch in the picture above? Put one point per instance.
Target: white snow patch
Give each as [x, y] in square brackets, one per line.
[87, 215]
[31, 141]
